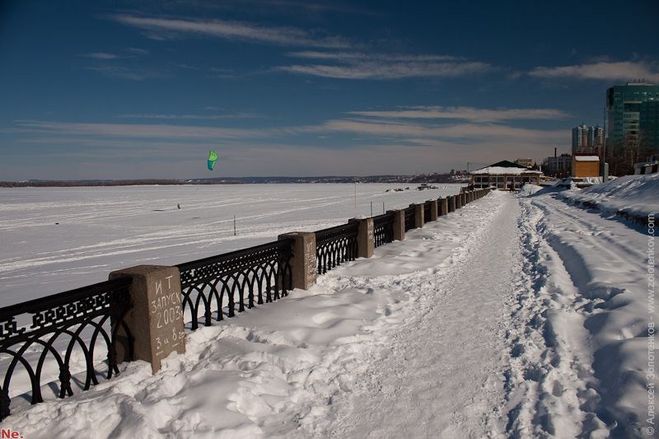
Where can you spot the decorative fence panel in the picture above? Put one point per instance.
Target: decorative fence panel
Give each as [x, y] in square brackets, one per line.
[409, 218]
[70, 336]
[335, 246]
[225, 284]
[383, 229]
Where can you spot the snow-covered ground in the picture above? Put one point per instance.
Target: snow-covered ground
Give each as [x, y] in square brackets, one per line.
[54, 239]
[516, 316]
[637, 195]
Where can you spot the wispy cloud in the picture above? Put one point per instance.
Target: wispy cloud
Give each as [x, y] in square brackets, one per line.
[102, 55]
[369, 57]
[130, 52]
[125, 72]
[291, 7]
[153, 131]
[189, 116]
[163, 28]
[467, 113]
[122, 64]
[462, 133]
[374, 65]
[389, 70]
[605, 70]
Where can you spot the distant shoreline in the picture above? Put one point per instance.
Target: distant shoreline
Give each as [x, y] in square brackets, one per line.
[430, 178]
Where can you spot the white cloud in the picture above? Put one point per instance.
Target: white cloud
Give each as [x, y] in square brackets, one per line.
[467, 113]
[608, 71]
[463, 133]
[379, 65]
[162, 28]
[389, 70]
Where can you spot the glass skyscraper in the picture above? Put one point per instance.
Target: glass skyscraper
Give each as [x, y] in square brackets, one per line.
[633, 115]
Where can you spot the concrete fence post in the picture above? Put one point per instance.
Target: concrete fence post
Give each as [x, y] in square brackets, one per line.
[463, 199]
[458, 201]
[433, 210]
[155, 320]
[418, 215]
[365, 237]
[399, 224]
[443, 206]
[451, 203]
[303, 262]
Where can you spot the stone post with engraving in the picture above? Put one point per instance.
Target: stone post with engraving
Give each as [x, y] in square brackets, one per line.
[155, 320]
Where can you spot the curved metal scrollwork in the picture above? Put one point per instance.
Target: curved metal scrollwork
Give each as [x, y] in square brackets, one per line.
[335, 246]
[222, 285]
[71, 338]
[383, 229]
[409, 218]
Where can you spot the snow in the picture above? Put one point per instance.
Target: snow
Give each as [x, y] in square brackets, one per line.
[500, 170]
[55, 239]
[516, 316]
[634, 194]
[583, 339]
[586, 158]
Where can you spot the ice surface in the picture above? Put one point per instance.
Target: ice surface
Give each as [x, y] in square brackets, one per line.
[54, 239]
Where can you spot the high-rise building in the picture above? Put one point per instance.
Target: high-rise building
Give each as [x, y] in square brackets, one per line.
[633, 115]
[580, 138]
[587, 139]
[596, 134]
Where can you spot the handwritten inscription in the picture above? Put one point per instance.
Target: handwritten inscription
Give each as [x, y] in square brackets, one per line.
[166, 317]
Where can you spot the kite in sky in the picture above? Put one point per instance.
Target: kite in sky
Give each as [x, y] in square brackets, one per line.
[212, 158]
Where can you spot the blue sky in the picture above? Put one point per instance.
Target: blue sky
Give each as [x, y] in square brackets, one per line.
[143, 89]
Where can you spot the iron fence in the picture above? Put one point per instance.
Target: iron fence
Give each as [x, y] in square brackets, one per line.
[335, 246]
[230, 282]
[70, 336]
[383, 229]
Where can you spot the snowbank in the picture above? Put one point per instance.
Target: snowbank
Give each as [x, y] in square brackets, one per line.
[631, 195]
[591, 310]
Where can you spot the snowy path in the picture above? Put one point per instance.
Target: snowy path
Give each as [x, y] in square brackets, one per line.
[579, 340]
[442, 373]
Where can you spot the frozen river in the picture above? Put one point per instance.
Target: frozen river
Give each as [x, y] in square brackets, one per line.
[54, 239]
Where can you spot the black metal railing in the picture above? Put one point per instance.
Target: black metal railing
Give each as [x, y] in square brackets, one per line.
[409, 218]
[228, 283]
[383, 229]
[71, 338]
[335, 246]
